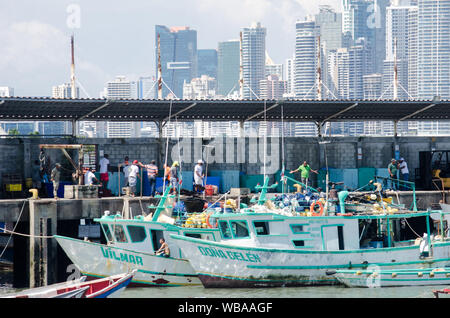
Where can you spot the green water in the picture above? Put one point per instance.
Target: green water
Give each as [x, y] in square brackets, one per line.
[282, 292]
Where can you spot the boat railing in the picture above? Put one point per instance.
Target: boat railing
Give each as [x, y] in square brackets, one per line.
[405, 184]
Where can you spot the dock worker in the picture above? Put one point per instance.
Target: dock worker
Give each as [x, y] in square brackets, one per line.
[304, 169]
[393, 170]
[55, 176]
[164, 249]
[104, 165]
[132, 177]
[198, 176]
[174, 176]
[404, 172]
[89, 177]
[152, 172]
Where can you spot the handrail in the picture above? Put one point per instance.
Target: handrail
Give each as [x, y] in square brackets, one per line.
[298, 182]
[410, 184]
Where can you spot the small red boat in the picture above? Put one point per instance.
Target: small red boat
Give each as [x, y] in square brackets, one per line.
[445, 291]
[107, 287]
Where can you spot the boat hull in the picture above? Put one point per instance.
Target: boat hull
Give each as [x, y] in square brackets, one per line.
[224, 265]
[99, 260]
[393, 278]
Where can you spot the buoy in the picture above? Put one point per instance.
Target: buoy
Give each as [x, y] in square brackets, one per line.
[311, 208]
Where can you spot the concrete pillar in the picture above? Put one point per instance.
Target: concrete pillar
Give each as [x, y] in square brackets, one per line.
[42, 263]
[27, 162]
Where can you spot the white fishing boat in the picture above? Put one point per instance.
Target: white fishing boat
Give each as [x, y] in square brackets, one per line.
[132, 244]
[260, 247]
[370, 278]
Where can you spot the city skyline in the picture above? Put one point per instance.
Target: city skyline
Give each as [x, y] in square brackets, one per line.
[113, 39]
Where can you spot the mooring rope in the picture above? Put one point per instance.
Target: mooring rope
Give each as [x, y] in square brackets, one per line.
[17, 222]
[27, 235]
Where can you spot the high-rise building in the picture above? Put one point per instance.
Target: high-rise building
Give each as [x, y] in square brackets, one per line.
[433, 47]
[146, 87]
[120, 88]
[366, 19]
[64, 91]
[306, 59]
[290, 76]
[253, 59]
[373, 86]
[6, 91]
[349, 64]
[398, 48]
[228, 58]
[272, 87]
[178, 47]
[203, 87]
[207, 62]
[330, 25]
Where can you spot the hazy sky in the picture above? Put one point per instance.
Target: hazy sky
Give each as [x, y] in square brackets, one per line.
[115, 37]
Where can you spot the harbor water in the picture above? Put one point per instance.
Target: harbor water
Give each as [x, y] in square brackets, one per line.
[282, 292]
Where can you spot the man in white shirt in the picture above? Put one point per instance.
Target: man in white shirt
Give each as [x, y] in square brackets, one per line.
[104, 178]
[198, 176]
[133, 174]
[404, 172]
[89, 177]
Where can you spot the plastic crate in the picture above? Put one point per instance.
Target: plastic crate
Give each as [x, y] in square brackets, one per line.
[14, 187]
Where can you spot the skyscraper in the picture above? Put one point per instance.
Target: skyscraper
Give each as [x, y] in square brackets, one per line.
[290, 76]
[305, 59]
[330, 25]
[366, 19]
[207, 62]
[119, 88]
[228, 67]
[178, 57]
[253, 59]
[272, 87]
[398, 48]
[433, 61]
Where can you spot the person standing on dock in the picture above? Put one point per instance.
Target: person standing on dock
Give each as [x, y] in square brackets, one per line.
[104, 165]
[132, 177]
[55, 177]
[393, 170]
[304, 172]
[174, 177]
[152, 172]
[89, 177]
[126, 170]
[404, 172]
[198, 176]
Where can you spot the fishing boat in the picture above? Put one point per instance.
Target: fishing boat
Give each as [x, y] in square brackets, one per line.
[58, 290]
[265, 247]
[445, 291]
[370, 278]
[108, 287]
[132, 243]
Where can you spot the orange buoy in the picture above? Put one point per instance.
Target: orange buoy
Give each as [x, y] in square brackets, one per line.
[311, 208]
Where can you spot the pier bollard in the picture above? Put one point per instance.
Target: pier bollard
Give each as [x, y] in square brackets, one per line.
[42, 260]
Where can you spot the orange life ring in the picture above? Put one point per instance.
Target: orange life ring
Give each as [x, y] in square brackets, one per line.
[209, 224]
[311, 208]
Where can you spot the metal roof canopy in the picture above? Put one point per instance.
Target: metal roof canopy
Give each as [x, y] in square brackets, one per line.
[50, 109]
